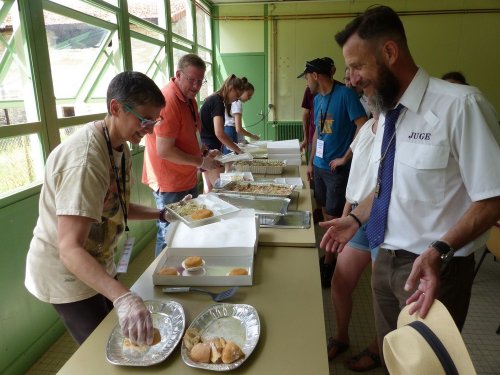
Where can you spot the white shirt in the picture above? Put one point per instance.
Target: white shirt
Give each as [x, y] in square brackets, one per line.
[236, 107]
[447, 156]
[362, 176]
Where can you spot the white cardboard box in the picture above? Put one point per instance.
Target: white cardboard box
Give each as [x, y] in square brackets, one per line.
[230, 243]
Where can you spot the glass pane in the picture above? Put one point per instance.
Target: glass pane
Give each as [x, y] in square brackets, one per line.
[134, 26]
[203, 29]
[181, 17]
[148, 10]
[22, 163]
[17, 98]
[182, 43]
[83, 59]
[151, 60]
[207, 88]
[84, 7]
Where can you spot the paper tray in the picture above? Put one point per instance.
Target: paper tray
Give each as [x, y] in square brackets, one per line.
[210, 201]
[218, 263]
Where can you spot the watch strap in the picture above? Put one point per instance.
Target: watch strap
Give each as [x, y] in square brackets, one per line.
[444, 249]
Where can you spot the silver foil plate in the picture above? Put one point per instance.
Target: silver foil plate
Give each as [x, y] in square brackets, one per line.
[261, 204]
[236, 322]
[230, 188]
[169, 318]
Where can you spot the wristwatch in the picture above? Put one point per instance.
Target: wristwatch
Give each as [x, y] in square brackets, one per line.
[161, 215]
[444, 249]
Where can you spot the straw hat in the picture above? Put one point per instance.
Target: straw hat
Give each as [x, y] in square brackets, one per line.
[407, 352]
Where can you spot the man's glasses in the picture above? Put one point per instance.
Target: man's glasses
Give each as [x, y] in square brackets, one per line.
[145, 123]
[192, 81]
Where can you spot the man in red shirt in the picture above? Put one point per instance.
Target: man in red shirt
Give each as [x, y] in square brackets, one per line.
[173, 152]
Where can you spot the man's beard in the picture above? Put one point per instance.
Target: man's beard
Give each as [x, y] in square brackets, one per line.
[386, 90]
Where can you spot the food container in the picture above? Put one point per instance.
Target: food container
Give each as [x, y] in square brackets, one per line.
[261, 166]
[182, 210]
[225, 245]
[266, 189]
[239, 323]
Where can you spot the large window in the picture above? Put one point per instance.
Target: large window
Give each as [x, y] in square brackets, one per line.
[58, 56]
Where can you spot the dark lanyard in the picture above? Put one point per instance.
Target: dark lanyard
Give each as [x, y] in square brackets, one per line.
[117, 177]
[193, 113]
[323, 117]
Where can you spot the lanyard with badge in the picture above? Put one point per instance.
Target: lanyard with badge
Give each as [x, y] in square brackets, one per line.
[320, 144]
[129, 243]
[193, 115]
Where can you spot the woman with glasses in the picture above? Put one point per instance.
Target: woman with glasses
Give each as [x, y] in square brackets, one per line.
[212, 115]
[233, 126]
[84, 209]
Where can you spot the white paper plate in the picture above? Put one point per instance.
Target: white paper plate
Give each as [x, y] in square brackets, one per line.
[169, 318]
[236, 322]
[210, 201]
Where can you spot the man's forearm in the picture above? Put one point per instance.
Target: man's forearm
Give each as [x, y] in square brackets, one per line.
[175, 155]
[362, 211]
[480, 217]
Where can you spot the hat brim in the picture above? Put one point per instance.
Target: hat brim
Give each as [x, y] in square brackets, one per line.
[439, 320]
[302, 74]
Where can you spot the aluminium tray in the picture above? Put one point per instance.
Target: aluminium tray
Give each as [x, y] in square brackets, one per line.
[169, 318]
[239, 323]
[261, 204]
[292, 220]
[234, 187]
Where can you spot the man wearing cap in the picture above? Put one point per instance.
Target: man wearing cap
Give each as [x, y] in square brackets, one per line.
[338, 115]
[438, 186]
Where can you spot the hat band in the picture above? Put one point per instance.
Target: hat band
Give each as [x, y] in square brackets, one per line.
[437, 346]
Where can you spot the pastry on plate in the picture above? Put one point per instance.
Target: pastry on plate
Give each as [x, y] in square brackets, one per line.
[168, 271]
[238, 272]
[133, 349]
[203, 213]
[192, 262]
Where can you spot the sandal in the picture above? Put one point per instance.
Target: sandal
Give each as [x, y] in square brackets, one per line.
[353, 362]
[335, 348]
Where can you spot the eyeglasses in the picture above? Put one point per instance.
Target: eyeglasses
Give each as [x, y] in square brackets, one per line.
[145, 123]
[192, 81]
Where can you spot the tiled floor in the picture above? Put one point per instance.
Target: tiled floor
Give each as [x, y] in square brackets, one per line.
[479, 332]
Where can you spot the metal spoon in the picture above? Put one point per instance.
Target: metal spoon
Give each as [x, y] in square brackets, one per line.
[217, 297]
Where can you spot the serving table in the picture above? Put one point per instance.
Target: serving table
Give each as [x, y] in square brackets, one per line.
[301, 201]
[287, 296]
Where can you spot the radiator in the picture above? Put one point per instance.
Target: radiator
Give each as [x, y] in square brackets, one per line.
[288, 130]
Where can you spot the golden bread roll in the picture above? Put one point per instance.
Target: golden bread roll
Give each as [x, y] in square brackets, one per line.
[202, 213]
[168, 271]
[131, 348]
[200, 352]
[238, 272]
[193, 261]
[215, 353]
[231, 352]
[191, 338]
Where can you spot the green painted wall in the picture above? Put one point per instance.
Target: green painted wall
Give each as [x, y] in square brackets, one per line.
[29, 326]
[252, 66]
[464, 39]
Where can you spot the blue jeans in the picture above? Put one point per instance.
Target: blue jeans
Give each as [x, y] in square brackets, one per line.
[231, 132]
[161, 200]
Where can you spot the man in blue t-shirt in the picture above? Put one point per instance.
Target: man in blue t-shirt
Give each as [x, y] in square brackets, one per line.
[338, 115]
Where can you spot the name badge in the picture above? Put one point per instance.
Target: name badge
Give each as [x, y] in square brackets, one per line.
[320, 144]
[127, 252]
